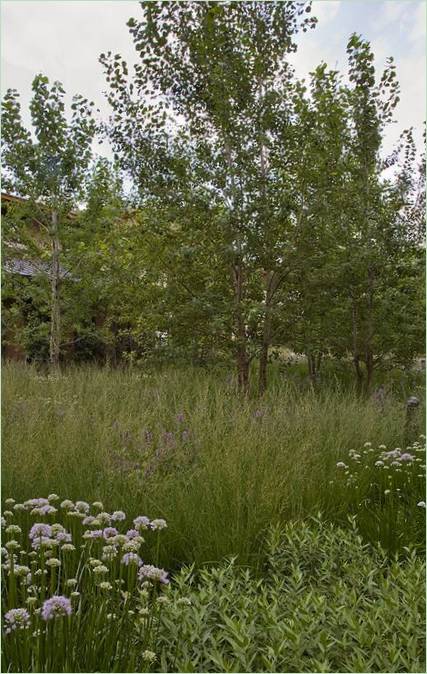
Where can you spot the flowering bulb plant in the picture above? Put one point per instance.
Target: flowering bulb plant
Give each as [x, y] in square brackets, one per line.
[385, 489]
[77, 587]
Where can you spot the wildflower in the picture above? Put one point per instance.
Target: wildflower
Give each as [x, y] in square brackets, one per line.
[40, 529]
[150, 572]
[421, 504]
[21, 570]
[31, 601]
[120, 539]
[53, 562]
[379, 464]
[100, 570]
[82, 506]
[131, 558]
[406, 457]
[141, 522]
[10, 501]
[14, 529]
[132, 533]
[367, 444]
[97, 533]
[76, 513]
[149, 656]
[35, 503]
[16, 619]
[75, 594]
[98, 505]
[144, 611]
[71, 582]
[12, 545]
[382, 447]
[53, 497]
[118, 516]
[67, 504]
[68, 547]
[56, 607]
[19, 507]
[95, 562]
[157, 525]
[3, 522]
[104, 518]
[105, 585]
[341, 464]
[88, 520]
[386, 491]
[63, 537]
[7, 513]
[109, 532]
[108, 552]
[132, 546]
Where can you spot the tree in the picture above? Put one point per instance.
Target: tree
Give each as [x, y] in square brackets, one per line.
[48, 166]
[217, 70]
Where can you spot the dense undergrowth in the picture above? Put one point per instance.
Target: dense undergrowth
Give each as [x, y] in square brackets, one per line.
[77, 596]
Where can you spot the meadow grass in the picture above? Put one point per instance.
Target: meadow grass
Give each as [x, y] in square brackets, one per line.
[180, 444]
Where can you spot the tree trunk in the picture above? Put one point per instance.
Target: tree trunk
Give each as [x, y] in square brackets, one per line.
[266, 336]
[55, 312]
[242, 358]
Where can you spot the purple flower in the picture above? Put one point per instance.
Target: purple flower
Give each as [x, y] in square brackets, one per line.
[149, 572]
[40, 529]
[63, 537]
[35, 503]
[131, 558]
[16, 619]
[141, 522]
[132, 533]
[55, 607]
[109, 532]
[96, 533]
[407, 457]
[88, 520]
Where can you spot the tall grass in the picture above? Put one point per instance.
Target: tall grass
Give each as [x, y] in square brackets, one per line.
[182, 445]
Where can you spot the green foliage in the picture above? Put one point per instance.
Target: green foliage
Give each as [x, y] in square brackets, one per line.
[324, 603]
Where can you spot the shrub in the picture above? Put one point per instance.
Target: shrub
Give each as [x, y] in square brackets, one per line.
[325, 603]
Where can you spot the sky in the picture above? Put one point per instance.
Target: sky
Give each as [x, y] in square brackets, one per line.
[63, 40]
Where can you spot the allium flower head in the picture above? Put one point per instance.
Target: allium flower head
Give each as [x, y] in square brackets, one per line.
[379, 464]
[67, 504]
[56, 607]
[157, 525]
[341, 464]
[421, 504]
[407, 457]
[16, 619]
[82, 506]
[131, 558]
[109, 532]
[132, 533]
[40, 529]
[98, 505]
[53, 497]
[96, 533]
[149, 572]
[118, 516]
[141, 522]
